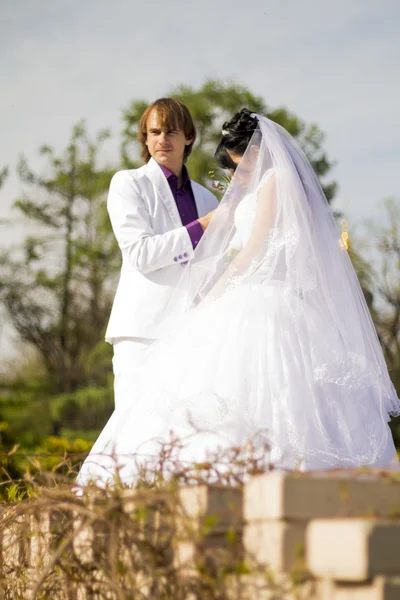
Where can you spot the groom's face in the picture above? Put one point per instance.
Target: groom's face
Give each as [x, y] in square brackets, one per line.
[165, 144]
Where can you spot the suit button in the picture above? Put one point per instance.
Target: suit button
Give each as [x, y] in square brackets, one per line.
[175, 258]
[185, 254]
[180, 257]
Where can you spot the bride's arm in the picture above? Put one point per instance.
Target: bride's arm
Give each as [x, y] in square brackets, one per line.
[254, 251]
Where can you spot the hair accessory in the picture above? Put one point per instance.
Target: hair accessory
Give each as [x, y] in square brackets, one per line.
[225, 132]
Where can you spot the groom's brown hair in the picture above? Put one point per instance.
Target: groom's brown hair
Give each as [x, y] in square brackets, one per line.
[173, 114]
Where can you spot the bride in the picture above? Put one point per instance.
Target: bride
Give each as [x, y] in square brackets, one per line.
[268, 336]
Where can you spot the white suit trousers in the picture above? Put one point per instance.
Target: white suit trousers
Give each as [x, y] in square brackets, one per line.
[129, 358]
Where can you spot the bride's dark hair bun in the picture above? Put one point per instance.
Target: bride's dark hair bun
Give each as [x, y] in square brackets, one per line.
[236, 135]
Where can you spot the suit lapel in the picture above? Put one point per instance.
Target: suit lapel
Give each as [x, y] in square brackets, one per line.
[158, 178]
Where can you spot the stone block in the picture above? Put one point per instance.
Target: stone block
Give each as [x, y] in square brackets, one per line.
[381, 588]
[46, 531]
[209, 529]
[151, 515]
[296, 496]
[209, 510]
[14, 542]
[93, 541]
[269, 586]
[213, 555]
[277, 545]
[353, 549]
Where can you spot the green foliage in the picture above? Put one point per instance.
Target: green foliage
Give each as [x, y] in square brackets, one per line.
[98, 366]
[3, 175]
[212, 104]
[9, 467]
[25, 408]
[395, 429]
[57, 455]
[53, 449]
[67, 265]
[380, 282]
[15, 494]
[30, 415]
[87, 409]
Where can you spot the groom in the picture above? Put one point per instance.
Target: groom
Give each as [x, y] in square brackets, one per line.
[158, 216]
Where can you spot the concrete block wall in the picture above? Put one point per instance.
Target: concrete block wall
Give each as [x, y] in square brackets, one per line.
[322, 536]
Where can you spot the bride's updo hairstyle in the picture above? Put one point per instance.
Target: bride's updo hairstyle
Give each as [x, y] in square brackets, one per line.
[236, 135]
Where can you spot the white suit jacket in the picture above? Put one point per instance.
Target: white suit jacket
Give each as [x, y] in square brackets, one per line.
[154, 244]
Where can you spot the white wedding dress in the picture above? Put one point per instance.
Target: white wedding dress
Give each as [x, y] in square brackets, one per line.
[243, 368]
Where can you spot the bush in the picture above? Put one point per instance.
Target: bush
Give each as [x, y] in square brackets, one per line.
[87, 409]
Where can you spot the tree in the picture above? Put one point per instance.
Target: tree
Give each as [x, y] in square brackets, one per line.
[211, 105]
[386, 287]
[3, 175]
[56, 286]
[379, 276]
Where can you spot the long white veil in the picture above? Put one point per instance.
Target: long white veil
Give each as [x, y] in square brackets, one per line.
[293, 242]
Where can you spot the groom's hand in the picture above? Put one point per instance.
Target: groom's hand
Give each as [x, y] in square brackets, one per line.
[205, 221]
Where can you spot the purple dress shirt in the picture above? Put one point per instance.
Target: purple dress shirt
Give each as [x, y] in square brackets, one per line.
[185, 203]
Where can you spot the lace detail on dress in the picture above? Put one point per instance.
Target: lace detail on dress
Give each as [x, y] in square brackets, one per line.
[252, 274]
[276, 241]
[350, 370]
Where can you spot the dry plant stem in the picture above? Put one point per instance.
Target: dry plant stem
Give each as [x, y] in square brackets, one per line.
[135, 556]
[124, 543]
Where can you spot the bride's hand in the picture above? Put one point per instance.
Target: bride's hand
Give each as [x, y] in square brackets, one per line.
[205, 221]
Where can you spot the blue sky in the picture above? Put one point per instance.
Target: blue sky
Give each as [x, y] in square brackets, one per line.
[336, 64]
